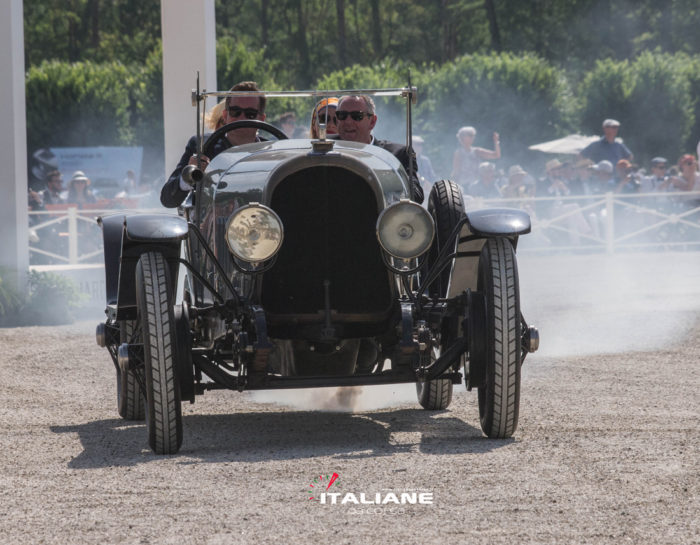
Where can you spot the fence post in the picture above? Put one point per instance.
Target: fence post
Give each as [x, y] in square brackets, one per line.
[609, 223]
[73, 235]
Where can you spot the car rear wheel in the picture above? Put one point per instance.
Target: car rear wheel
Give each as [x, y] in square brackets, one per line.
[130, 402]
[155, 316]
[434, 395]
[499, 396]
[446, 206]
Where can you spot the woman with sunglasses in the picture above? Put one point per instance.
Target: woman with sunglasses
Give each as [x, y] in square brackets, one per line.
[324, 112]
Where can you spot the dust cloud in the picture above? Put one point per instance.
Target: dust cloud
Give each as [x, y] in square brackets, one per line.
[596, 304]
[348, 399]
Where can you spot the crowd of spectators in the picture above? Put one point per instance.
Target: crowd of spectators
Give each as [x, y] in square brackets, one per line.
[566, 189]
[51, 237]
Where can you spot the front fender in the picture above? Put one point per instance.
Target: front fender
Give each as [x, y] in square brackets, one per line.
[491, 222]
[125, 239]
[481, 225]
[155, 228]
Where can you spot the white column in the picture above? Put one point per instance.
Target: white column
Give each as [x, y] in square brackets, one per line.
[189, 45]
[14, 244]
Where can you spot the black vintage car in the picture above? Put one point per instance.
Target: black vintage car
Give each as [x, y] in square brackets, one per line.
[305, 264]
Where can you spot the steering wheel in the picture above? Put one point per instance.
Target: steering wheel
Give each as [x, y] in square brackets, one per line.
[218, 134]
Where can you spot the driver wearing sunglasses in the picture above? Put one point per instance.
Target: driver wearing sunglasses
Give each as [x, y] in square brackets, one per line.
[237, 108]
[356, 119]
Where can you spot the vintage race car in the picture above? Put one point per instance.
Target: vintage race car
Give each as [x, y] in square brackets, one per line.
[303, 263]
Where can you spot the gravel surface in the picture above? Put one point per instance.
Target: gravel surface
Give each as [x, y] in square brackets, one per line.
[607, 449]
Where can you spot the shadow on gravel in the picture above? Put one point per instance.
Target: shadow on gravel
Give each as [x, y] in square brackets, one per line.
[264, 436]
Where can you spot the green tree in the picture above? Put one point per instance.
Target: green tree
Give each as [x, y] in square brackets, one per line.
[95, 30]
[661, 107]
[650, 96]
[79, 104]
[523, 98]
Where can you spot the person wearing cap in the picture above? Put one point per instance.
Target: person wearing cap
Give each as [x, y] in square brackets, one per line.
[550, 185]
[604, 177]
[518, 186]
[485, 186]
[324, 112]
[654, 182]
[236, 108]
[609, 147]
[467, 158]
[54, 189]
[78, 189]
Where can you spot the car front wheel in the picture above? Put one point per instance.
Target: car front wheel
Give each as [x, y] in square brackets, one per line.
[499, 396]
[155, 316]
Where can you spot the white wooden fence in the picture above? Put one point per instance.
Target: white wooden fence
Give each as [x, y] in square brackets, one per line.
[610, 222]
[597, 223]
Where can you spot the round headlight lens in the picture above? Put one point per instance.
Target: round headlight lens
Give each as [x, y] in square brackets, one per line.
[405, 230]
[254, 233]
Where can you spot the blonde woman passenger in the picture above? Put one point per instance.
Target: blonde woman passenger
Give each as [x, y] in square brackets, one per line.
[324, 112]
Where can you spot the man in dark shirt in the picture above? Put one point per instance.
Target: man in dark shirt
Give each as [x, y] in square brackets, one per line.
[54, 187]
[237, 108]
[356, 119]
[607, 148]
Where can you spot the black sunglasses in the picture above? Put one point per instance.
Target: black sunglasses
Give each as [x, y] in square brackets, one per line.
[236, 111]
[321, 117]
[356, 115]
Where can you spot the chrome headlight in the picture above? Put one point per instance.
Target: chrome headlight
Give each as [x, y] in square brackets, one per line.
[405, 230]
[254, 233]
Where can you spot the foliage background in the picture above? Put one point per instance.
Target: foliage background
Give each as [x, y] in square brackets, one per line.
[532, 70]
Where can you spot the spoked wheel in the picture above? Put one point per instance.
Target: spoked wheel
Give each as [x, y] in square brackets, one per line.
[130, 401]
[446, 206]
[499, 396]
[155, 315]
[434, 395]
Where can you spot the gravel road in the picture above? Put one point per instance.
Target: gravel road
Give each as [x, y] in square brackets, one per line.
[607, 450]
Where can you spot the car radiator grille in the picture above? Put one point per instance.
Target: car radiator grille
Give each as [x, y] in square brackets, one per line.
[329, 216]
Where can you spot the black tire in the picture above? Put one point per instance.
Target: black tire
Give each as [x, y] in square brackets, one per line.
[155, 312]
[130, 401]
[499, 397]
[446, 206]
[434, 395]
